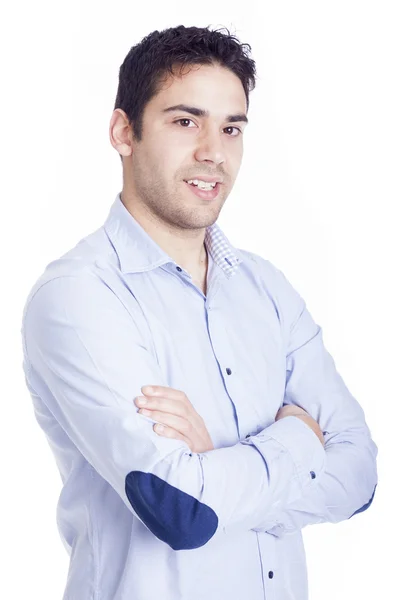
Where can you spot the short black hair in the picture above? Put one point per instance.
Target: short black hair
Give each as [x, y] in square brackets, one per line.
[142, 73]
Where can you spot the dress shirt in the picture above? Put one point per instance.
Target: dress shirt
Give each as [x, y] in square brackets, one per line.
[141, 516]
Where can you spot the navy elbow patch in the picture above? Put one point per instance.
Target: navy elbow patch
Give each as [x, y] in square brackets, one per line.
[365, 505]
[173, 516]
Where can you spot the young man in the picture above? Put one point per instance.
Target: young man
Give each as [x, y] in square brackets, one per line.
[261, 435]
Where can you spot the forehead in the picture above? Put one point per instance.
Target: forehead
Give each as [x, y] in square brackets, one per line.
[212, 87]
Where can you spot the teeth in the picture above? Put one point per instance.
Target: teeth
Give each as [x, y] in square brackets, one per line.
[204, 185]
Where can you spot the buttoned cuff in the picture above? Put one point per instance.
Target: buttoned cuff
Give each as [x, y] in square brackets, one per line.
[301, 443]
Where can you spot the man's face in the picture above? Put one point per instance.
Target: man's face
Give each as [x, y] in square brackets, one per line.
[177, 146]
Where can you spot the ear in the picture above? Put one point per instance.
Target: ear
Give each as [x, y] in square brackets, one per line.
[120, 133]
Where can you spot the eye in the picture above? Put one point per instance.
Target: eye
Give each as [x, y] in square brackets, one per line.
[181, 120]
[239, 131]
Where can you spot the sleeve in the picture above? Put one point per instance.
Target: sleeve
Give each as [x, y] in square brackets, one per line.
[87, 359]
[347, 485]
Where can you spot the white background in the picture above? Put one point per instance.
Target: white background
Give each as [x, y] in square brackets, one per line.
[318, 195]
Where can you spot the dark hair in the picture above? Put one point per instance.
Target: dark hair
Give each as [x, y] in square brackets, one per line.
[142, 73]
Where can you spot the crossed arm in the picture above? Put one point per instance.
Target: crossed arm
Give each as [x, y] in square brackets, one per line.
[185, 497]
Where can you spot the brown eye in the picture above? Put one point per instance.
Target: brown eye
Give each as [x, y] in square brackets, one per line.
[237, 129]
[183, 120]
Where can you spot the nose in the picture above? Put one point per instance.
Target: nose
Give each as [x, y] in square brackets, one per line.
[210, 147]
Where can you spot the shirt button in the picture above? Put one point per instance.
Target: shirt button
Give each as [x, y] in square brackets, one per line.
[313, 475]
[271, 574]
[228, 371]
[178, 269]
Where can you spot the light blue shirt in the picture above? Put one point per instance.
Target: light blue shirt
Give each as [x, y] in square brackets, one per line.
[141, 516]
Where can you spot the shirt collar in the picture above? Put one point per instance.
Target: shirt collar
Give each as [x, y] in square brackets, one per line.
[138, 252]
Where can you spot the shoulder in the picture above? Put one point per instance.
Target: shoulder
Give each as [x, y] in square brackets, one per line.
[77, 269]
[271, 274]
[273, 283]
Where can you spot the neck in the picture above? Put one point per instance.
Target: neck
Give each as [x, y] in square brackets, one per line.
[185, 246]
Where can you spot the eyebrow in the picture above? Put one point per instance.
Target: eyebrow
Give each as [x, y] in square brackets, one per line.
[200, 112]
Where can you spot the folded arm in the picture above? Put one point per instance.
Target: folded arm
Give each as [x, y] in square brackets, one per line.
[86, 355]
[347, 484]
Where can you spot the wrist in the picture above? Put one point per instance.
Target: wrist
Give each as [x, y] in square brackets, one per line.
[290, 410]
[308, 420]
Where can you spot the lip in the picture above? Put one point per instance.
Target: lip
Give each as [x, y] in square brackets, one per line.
[205, 178]
[203, 194]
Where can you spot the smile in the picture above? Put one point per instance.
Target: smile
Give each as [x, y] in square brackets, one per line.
[208, 193]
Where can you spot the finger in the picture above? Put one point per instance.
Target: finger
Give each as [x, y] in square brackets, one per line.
[183, 426]
[168, 405]
[168, 432]
[161, 390]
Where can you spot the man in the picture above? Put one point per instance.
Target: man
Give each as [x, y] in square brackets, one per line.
[260, 435]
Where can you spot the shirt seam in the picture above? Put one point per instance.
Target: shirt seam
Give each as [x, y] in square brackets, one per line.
[261, 564]
[94, 538]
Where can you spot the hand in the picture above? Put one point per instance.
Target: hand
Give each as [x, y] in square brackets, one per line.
[179, 419]
[289, 410]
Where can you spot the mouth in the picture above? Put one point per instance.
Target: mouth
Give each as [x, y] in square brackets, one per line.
[204, 194]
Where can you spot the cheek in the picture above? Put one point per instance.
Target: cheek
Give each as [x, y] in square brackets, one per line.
[235, 163]
[237, 153]
[174, 162]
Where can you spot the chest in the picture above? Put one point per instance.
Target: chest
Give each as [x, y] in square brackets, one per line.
[224, 351]
[201, 283]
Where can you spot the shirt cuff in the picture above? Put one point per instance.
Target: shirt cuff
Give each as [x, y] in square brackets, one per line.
[302, 444]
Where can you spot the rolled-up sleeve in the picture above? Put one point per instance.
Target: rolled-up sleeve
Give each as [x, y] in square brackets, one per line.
[347, 484]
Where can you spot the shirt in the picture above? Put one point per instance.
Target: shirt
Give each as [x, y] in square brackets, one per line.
[141, 516]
